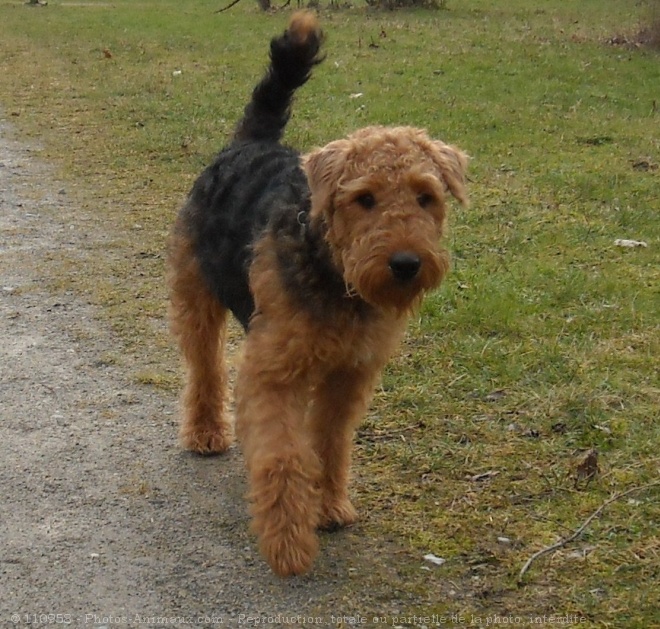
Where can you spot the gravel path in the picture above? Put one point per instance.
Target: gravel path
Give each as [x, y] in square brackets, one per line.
[102, 518]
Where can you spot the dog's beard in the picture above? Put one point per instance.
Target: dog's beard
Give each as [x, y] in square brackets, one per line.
[370, 277]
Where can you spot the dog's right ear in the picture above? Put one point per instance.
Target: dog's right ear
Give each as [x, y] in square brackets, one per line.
[323, 168]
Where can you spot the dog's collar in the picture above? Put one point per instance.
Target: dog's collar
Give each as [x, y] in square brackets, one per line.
[303, 220]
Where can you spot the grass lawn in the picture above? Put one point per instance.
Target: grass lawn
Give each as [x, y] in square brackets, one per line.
[543, 344]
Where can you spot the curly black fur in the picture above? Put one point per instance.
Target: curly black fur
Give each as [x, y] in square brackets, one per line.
[228, 209]
[256, 186]
[291, 64]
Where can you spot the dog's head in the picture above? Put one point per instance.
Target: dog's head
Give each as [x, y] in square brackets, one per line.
[381, 194]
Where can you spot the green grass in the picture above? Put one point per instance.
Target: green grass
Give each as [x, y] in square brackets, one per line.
[542, 343]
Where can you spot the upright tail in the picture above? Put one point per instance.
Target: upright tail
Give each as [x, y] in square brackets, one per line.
[292, 58]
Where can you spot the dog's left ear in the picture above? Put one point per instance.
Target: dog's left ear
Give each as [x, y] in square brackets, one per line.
[323, 168]
[452, 163]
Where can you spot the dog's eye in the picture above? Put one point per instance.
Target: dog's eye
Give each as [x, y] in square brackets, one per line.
[425, 199]
[366, 200]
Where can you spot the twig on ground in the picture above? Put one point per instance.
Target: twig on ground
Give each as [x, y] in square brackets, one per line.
[229, 6]
[585, 524]
[389, 434]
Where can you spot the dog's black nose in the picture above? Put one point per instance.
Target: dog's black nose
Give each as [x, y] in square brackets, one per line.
[405, 265]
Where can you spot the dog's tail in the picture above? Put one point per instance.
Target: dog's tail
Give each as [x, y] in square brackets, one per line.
[293, 55]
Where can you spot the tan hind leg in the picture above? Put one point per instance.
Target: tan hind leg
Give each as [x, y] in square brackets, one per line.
[198, 321]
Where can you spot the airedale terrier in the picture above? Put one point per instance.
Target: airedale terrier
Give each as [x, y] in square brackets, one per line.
[321, 257]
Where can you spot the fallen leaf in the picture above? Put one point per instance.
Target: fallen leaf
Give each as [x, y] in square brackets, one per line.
[587, 468]
[621, 242]
[438, 561]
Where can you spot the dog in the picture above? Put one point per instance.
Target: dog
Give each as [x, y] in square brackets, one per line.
[322, 258]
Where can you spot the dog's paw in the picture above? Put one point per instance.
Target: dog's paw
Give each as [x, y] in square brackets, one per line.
[337, 515]
[206, 441]
[291, 553]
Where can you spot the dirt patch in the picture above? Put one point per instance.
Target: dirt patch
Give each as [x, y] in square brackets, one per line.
[103, 514]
